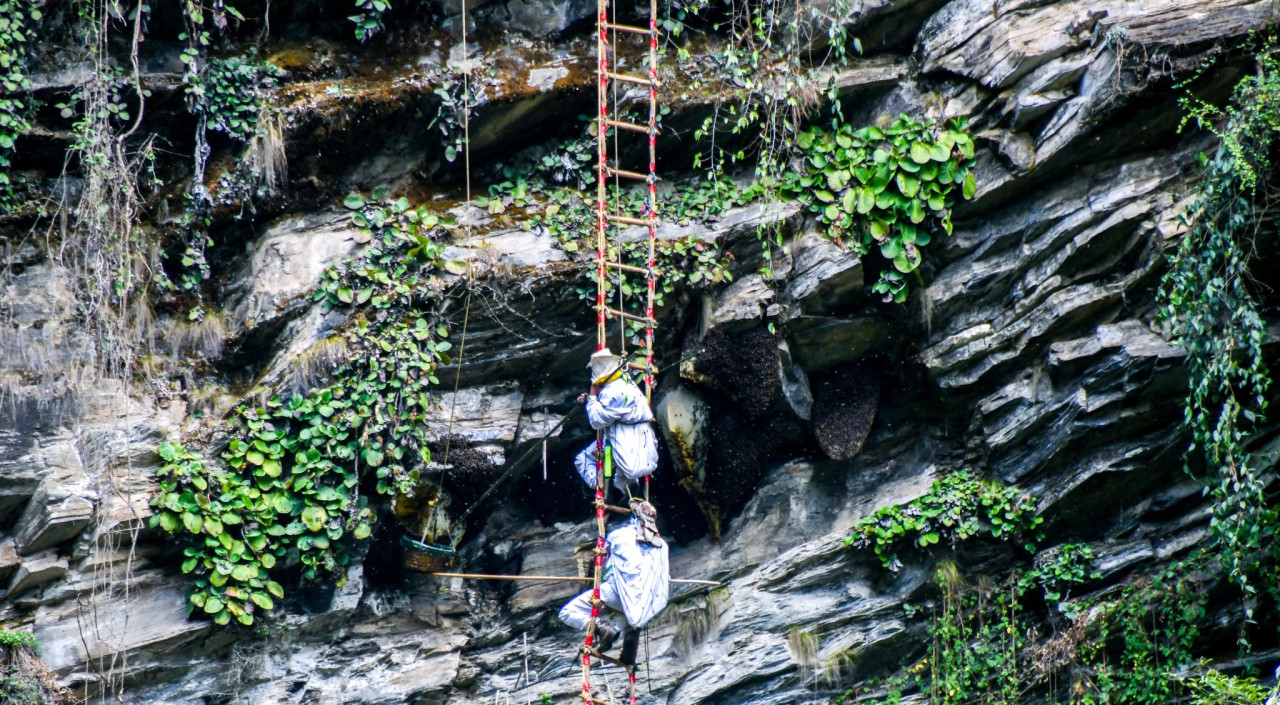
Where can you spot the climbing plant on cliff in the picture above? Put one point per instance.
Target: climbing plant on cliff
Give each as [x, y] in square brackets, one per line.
[769, 68]
[885, 189]
[1209, 298]
[24, 680]
[957, 507]
[290, 490]
[16, 17]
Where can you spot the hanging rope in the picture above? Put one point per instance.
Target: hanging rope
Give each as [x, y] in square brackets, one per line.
[466, 311]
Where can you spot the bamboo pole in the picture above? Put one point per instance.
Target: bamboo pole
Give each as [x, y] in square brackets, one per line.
[558, 578]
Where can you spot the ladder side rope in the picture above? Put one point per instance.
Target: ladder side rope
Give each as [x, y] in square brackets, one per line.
[601, 223]
[652, 217]
[602, 165]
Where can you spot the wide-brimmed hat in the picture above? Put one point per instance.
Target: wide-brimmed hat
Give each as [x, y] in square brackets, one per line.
[647, 523]
[602, 364]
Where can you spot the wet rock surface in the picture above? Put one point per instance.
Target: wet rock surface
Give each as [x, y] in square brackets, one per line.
[791, 407]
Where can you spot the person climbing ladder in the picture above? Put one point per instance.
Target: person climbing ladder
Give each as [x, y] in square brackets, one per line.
[636, 583]
[617, 408]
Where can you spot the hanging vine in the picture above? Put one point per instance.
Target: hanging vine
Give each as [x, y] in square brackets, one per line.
[1209, 298]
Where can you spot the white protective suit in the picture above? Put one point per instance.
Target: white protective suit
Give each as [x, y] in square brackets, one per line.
[636, 582]
[623, 412]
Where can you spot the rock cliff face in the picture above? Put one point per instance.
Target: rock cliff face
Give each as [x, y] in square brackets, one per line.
[791, 407]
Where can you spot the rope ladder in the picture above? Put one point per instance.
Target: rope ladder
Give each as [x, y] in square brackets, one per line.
[609, 217]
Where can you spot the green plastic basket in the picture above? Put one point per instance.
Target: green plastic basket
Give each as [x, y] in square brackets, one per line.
[427, 557]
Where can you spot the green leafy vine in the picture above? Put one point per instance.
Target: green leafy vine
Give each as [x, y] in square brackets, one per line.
[16, 18]
[957, 507]
[290, 488]
[885, 188]
[1208, 298]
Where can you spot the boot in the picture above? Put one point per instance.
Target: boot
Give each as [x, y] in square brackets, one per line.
[630, 645]
[606, 635]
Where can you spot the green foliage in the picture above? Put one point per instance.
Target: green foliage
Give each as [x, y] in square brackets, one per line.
[976, 640]
[454, 107]
[763, 90]
[16, 32]
[686, 263]
[289, 489]
[1156, 624]
[395, 269]
[1056, 571]
[885, 189]
[1215, 315]
[981, 633]
[957, 507]
[18, 640]
[368, 20]
[572, 163]
[225, 521]
[569, 215]
[1124, 652]
[231, 93]
[1213, 687]
[763, 87]
[23, 679]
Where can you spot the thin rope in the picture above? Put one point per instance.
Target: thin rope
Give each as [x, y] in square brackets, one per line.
[466, 313]
[617, 192]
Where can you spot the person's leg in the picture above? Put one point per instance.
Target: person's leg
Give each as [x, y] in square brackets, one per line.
[577, 612]
[630, 645]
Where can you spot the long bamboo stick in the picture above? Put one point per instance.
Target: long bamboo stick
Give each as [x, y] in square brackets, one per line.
[556, 578]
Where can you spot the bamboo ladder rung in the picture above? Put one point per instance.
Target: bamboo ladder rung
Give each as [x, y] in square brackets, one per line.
[627, 28]
[631, 220]
[595, 653]
[626, 267]
[641, 368]
[630, 174]
[594, 700]
[633, 126]
[629, 316]
[632, 78]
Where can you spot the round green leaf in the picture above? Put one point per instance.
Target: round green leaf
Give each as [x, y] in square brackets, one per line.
[271, 467]
[192, 522]
[169, 521]
[262, 600]
[314, 517]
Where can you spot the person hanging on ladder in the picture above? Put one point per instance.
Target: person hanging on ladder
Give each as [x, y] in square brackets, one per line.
[616, 407]
[636, 584]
